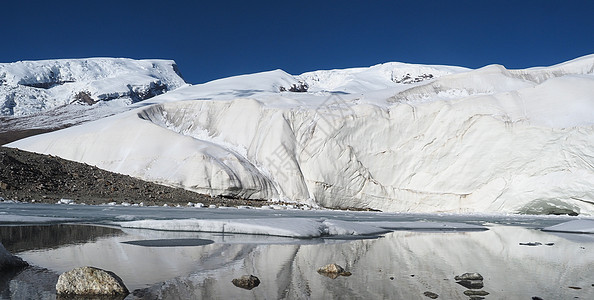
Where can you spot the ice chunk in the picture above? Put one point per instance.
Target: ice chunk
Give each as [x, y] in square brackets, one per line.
[289, 227]
[338, 227]
[575, 226]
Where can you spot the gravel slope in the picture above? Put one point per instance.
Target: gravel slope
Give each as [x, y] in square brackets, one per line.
[26, 176]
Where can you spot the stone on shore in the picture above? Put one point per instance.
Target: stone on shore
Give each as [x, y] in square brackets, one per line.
[331, 268]
[333, 271]
[247, 282]
[469, 276]
[90, 281]
[472, 293]
[431, 295]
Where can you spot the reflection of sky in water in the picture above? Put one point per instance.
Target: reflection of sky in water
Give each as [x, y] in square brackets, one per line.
[287, 266]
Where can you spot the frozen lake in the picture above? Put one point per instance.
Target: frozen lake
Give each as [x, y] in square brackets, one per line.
[390, 256]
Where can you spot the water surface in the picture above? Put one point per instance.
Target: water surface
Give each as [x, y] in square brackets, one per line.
[400, 264]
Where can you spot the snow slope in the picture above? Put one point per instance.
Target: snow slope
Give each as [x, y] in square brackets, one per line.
[28, 87]
[377, 77]
[393, 137]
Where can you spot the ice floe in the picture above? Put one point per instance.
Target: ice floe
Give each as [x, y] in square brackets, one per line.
[293, 227]
[575, 226]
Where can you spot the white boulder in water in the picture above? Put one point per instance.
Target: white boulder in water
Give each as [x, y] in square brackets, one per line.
[90, 281]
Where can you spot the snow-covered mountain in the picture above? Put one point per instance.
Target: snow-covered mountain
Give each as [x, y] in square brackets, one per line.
[395, 137]
[377, 77]
[28, 87]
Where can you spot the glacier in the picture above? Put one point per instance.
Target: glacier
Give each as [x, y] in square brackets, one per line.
[28, 87]
[45, 95]
[391, 137]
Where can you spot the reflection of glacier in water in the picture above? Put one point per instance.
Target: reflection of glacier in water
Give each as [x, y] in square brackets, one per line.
[400, 264]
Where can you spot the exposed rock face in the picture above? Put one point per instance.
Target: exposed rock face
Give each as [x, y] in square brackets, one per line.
[247, 282]
[409, 79]
[333, 271]
[300, 87]
[431, 295]
[9, 261]
[90, 281]
[29, 283]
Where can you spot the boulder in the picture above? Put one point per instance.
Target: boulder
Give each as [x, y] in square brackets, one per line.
[9, 261]
[331, 268]
[469, 276]
[431, 295]
[247, 282]
[90, 281]
[333, 271]
[472, 293]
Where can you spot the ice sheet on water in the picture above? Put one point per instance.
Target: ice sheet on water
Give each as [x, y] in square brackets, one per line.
[338, 227]
[575, 226]
[293, 227]
[425, 226]
[7, 218]
[290, 227]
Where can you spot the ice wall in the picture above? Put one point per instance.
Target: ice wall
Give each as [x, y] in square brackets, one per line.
[485, 140]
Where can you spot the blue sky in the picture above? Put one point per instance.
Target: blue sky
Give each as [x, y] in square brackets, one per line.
[216, 39]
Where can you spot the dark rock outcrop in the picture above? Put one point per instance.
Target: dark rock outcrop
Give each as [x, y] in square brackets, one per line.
[9, 261]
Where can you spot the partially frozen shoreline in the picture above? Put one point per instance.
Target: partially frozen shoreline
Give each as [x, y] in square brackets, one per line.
[201, 265]
[274, 221]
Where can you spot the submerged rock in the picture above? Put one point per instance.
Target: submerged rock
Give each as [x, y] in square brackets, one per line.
[90, 281]
[247, 282]
[531, 244]
[471, 284]
[333, 271]
[472, 293]
[469, 276]
[431, 295]
[9, 261]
